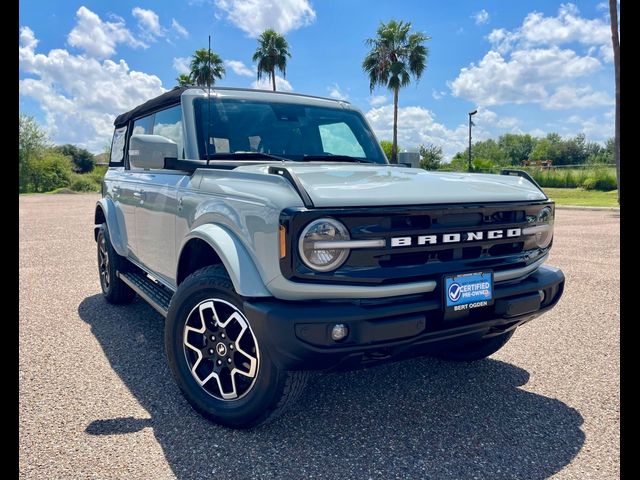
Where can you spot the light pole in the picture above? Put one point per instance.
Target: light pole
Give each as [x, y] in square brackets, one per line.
[470, 124]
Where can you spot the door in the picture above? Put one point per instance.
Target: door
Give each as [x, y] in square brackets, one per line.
[157, 204]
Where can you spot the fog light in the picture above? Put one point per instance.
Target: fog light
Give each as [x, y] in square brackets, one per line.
[542, 295]
[339, 332]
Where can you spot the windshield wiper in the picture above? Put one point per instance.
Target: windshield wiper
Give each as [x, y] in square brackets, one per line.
[246, 156]
[335, 158]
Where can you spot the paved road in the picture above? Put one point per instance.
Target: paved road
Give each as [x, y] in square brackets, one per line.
[97, 400]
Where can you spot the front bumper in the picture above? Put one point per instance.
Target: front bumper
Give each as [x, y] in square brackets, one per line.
[297, 334]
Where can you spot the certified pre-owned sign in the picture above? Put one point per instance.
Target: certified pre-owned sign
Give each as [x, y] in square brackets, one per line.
[455, 237]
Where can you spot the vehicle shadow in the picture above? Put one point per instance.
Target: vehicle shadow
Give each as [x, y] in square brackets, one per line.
[420, 418]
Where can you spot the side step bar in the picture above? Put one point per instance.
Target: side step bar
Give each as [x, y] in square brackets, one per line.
[155, 295]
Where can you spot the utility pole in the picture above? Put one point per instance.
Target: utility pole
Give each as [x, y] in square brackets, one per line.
[470, 124]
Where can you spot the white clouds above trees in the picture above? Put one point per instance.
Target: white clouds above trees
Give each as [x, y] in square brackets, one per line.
[254, 16]
[99, 38]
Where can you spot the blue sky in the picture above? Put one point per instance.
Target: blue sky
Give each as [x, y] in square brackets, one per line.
[530, 67]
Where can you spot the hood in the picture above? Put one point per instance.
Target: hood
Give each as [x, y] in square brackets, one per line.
[372, 185]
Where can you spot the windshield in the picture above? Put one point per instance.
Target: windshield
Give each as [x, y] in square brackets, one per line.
[290, 131]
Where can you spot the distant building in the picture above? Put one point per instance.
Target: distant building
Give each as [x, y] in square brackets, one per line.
[411, 158]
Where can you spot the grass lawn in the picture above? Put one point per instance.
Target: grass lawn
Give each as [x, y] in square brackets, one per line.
[577, 196]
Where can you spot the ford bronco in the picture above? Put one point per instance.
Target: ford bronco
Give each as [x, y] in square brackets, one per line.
[273, 235]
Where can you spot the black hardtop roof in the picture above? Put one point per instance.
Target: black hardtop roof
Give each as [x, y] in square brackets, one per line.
[172, 97]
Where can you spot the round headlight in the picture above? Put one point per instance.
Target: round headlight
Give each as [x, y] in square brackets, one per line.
[545, 215]
[323, 230]
[544, 234]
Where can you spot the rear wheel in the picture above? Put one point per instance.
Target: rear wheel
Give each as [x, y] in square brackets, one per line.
[109, 262]
[470, 352]
[217, 359]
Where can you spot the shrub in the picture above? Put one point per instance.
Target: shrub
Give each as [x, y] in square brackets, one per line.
[49, 171]
[84, 183]
[97, 173]
[589, 183]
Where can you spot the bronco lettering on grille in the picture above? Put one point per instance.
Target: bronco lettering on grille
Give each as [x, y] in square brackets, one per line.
[442, 238]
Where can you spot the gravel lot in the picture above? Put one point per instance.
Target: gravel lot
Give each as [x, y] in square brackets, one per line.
[97, 399]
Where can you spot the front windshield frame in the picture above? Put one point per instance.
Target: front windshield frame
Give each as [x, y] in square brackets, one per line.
[314, 116]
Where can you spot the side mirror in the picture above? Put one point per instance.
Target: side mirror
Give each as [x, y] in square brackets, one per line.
[149, 151]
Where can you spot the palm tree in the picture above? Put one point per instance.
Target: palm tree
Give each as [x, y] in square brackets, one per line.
[272, 53]
[205, 67]
[395, 55]
[615, 39]
[184, 80]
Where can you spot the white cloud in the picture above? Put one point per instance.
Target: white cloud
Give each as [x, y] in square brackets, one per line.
[79, 95]
[606, 52]
[179, 29]
[568, 96]
[378, 100]
[488, 118]
[181, 64]
[528, 76]
[437, 95]
[282, 84]
[335, 92]
[148, 23]
[98, 38]
[239, 68]
[254, 16]
[602, 6]
[481, 17]
[593, 129]
[417, 126]
[567, 27]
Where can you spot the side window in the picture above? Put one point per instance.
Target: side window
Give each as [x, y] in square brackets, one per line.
[143, 125]
[117, 146]
[338, 139]
[168, 123]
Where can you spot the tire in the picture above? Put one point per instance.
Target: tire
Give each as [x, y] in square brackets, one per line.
[471, 352]
[204, 314]
[109, 262]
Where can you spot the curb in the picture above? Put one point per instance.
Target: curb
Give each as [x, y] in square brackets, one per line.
[581, 207]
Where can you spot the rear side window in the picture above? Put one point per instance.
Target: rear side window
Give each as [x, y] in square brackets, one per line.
[117, 146]
[168, 123]
[143, 125]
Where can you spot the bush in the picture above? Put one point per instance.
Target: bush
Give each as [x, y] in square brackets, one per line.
[596, 178]
[97, 173]
[589, 183]
[48, 172]
[84, 183]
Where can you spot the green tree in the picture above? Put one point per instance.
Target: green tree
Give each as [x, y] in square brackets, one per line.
[395, 56]
[541, 150]
[516, 147]
[32, 142]
[430, 156]
[387, 147]
[82, 159]
[184, 80]
[272, 53]
[205, 67]
[49, 171]
[459, 162]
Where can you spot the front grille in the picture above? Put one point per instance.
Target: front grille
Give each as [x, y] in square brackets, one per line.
[416, 261]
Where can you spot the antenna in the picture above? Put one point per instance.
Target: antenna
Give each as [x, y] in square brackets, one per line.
[209, 101]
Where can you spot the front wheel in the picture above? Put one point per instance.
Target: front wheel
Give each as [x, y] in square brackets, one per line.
[217, 359]
[477, 350]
